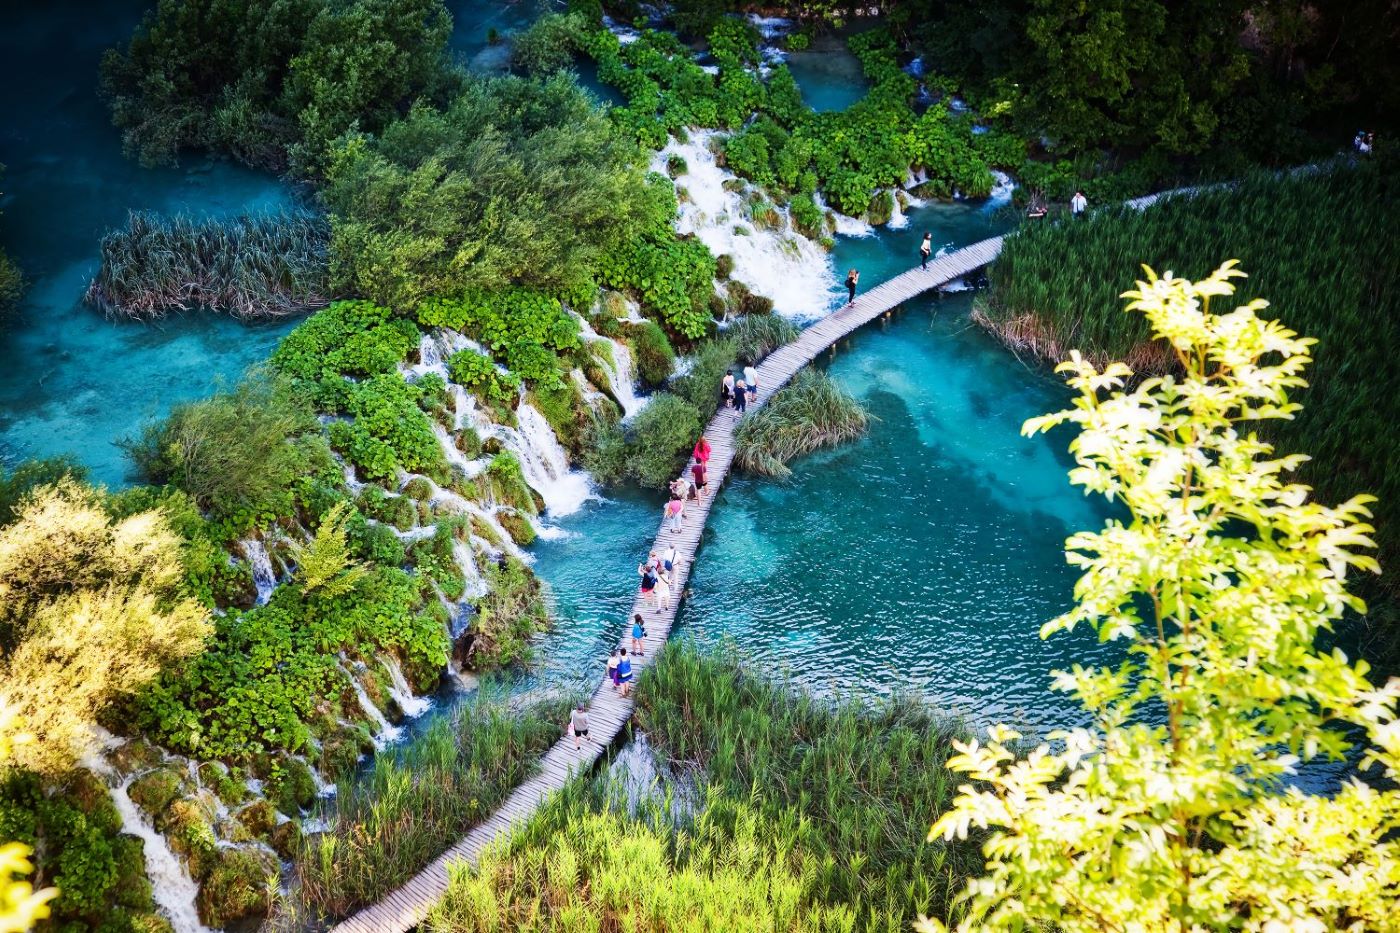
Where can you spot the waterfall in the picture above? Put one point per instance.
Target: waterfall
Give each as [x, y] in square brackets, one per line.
[263, 577]
[618, 366]
[543, 461]
[898, 219]
[384, 732]
[412, 705]
[845, 224]
[1001, 191]
[475, 583]
[171, 885]
[780, 264]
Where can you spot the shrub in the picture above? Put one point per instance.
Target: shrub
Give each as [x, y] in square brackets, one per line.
[511, 613]
[480, 376]
[811, 413]
[549, 44]
[11, 284]
[700, 386]
[523, 329]
[655, 358]
[389, 430]
[662, 435]
[350, 338]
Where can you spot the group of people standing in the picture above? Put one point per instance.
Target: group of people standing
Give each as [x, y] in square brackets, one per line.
[736, 393]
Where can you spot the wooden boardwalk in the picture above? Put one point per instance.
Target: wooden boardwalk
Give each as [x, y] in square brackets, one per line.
[607, 712]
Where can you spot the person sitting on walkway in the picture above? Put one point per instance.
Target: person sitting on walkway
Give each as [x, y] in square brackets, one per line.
[639, 631]
[578, 725]
[624, 674]
[925, 250]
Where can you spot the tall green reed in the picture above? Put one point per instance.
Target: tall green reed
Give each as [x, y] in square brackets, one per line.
[810, 413]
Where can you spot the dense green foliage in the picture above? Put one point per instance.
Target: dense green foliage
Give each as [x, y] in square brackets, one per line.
[511, 613]
[245, 456]
[100, 873]
[515, 182]
[1320, 244]
[661, 436]
[250, 266]
[525, 330]
[656, 359]
[756, 335]
[273, 82]
[17, 482]
[350, 338]
[419, 800]
[388, 431]
[811, 413]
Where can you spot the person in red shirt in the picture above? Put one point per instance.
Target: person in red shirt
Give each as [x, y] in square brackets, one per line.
[702, 450]
[697, 470]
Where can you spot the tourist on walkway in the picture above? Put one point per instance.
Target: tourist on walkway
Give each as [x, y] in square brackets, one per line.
[624, 673]
[852, 279]
[653, 561]
[925, 250]
[675, 511]
[702, 450]
[726, 389]
[648, 574]
[612, 668]
[663, 592]
[1078, 203]
[698, 472]
[669, 559]
[741, 396]
[639, 631]
[680, 487]
[751, 380]
[578, 724]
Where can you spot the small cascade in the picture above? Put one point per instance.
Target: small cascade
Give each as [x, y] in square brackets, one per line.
[845, 224]
[384, 731]
[1002, 189]
[898, 219]
[543, 461]
[618, 365]
[264, 579]
[780, 264]
[412, 705]
[171, 885]
[432, 358]
[475, 584]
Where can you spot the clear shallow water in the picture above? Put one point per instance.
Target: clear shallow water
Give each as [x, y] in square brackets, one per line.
[827, 74]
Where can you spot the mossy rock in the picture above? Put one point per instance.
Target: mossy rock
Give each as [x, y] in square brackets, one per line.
[881, 209]
[757, 304]
[490, 446]
[340, 754]
[732, 185]
[469, 443]
[228, 785]
[231, 829]
[933, 189]
[133, 888]
[419, 489]
[90, 794]
[724, 266]
[286, 838]
[190, 832]
[237, 888]
[481, 528]
[425, 513]
[656, 358]
[676, 165]
[156, 790]
[518, 527]
[741, 230]
[259, 818]
[293, 788]
[135, 755]
[143, 922]
[614, 307]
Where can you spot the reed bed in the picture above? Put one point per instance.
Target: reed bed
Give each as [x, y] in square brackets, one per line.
[811, 413]
[757, 335]
[1322, 245]
[252, 266]
[414, 803]
[814, 817]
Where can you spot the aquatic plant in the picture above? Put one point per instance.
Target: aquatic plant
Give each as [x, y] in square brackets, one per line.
[810, 413]
[1174, 809]
[250, 266]
[415, 802]
[756, 335]
[1055, 288]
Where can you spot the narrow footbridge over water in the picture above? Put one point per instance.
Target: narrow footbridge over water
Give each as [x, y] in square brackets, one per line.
[607, 712]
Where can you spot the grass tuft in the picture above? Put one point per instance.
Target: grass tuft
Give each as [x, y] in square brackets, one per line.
[811, 413]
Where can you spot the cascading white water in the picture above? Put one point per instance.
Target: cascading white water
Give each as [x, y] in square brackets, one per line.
[845, 224]
[474, 583]
[543, 461]
[1002, 189]
[411, 704]
[384, 732]
[171, 885]
[898, 219]
[264, 579]
[780, 264]
[618, 366]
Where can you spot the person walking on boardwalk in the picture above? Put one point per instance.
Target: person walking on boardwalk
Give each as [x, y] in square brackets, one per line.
[925, 250]
[1078, 204]
[702, 450]
[648, 575]
[675, 511]
[663, 592]
[697, 471]
[578, 725]
[639, 631]
[852, 279]
[741, 397]
[624, 673]
[612, 668]
[670, 559]
[726, 389]
[751, 380]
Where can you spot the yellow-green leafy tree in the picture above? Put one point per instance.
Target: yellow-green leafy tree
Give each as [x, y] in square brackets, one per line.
[1173, 810]
[325, 566]
[91, 609]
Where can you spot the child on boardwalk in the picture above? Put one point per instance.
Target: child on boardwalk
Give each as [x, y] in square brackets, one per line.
[726, 389]
[612, 668]
[578, 725]
[925, 250]
[639, 631]
[624, 674]
[648, 575]
[741, 396]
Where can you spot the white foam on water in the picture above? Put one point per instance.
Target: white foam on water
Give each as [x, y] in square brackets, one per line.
[264, 579]
[171, 885]
[619, 368]
[1002, 189]
[898, 219]
[412, 705]
[474, 583]
[384, 732]
[780, 264]
[845, 224]
[544, 462]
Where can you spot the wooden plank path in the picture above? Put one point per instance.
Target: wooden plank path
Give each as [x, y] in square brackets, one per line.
[408, 906]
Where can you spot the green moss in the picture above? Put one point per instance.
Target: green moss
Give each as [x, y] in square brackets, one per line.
[656, 359]
[259, 818]
[563, 407]
[237, 888]
[724, 266]
[135, 755]
[290, 786]
[133, 888]
[190, 832]
[881, 208]
[518, 527]
[156, 790]
[418, 489]
[469, 443]
[227, 785]
[90, 795]
[286, 838]
[507, 483]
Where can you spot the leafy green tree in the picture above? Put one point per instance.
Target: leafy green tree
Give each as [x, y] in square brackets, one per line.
[324, 564]
[1174, 811]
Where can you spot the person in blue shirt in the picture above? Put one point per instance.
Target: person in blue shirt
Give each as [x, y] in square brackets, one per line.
[639, 631]
[624, 673]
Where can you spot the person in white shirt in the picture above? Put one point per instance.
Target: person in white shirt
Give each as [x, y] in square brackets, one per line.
[751, 381]
[1078, 203]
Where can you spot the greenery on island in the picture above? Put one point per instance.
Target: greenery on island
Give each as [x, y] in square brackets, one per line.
[11, 289]
[274, 83]
[21, 906]
[811, 413]
[525, 330]
[418, 800]
[1174, 810]
[251, 266]
[816, 810]
[1321, 244]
